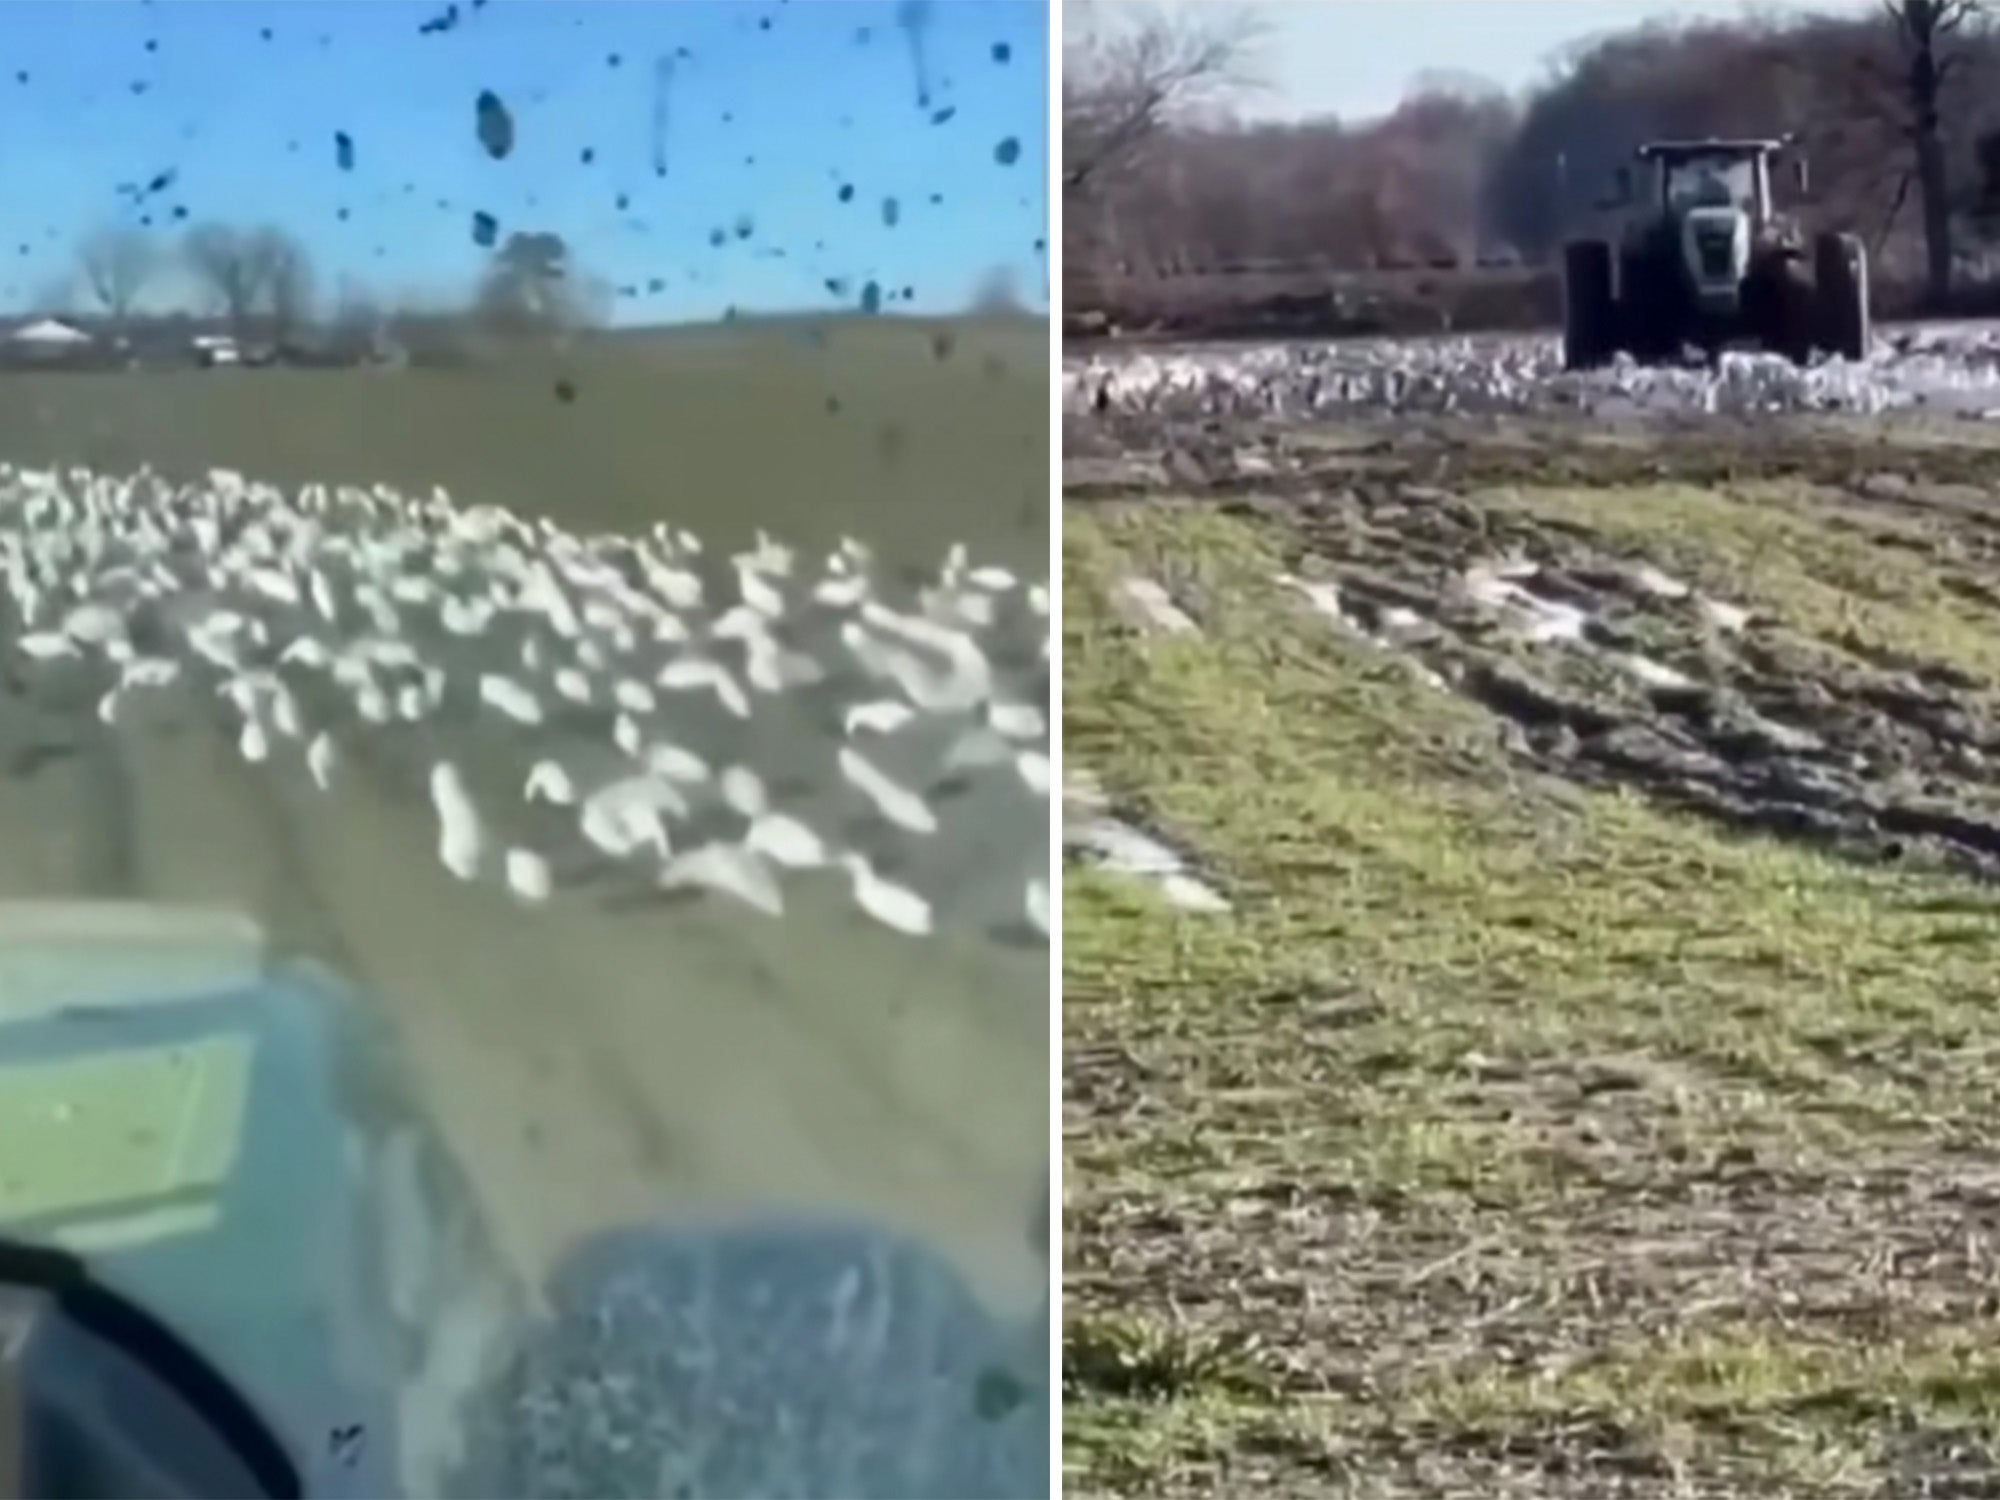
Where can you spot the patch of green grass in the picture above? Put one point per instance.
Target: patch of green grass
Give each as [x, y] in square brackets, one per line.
[1773, 1415]
[1946, 1375]
[1371, 830]
[1459, 1005]
[1131, 1359]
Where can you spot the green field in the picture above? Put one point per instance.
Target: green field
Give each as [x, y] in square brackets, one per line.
[1581, 1097]
[719, 429]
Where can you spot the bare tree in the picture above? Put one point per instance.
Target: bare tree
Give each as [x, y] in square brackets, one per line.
[1929, 32]
[1205, 214]
[1124, 84]
[286, 271]
[996, 293]
[252, 275]
[531, 288]
[231, 275]
[117, 264]
[1987, 204]
[358, 325]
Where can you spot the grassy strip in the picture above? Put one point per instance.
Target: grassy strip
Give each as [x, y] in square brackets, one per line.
[1465, 1000]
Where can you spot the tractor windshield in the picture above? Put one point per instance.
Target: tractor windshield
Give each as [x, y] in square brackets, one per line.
[1717, 181]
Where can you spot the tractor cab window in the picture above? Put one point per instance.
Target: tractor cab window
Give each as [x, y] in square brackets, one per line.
[1711, 182]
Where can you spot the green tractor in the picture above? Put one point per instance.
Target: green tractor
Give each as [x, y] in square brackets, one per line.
[1708, 263]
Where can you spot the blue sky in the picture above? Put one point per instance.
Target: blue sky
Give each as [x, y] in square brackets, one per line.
[1357, 57]
[770, 109]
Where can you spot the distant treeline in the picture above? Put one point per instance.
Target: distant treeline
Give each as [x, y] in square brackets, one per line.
[150, 296]
[147, 297]
[1896, 107]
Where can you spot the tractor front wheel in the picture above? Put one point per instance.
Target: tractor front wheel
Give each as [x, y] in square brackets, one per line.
[1840, 276]
[1779, 310]
[1590, 311]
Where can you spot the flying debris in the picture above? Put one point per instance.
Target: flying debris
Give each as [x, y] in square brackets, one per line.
[493, 124]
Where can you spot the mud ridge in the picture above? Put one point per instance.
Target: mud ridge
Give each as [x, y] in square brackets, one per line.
[1610, 672]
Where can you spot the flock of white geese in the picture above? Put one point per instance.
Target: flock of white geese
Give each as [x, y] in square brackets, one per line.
[320, 615]
[1946, 367]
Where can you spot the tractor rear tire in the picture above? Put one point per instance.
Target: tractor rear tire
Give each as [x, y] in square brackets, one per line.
[1840, 278]
[1590, 311]
[1781, 308]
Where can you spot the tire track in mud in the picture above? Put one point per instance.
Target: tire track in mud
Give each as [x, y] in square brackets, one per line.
[1594, 672]
[1608, 672]
[1925, 469]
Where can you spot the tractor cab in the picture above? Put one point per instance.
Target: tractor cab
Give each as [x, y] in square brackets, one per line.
[1708, 215]
[1711, 174]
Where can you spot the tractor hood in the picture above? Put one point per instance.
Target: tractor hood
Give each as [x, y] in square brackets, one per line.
[1715, 249]
[216, 1136]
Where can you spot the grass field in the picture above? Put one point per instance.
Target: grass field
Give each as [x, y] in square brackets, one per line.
[1581, 1096]
[809, 428]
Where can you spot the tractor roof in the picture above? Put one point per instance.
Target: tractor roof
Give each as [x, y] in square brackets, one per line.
[1673, 151]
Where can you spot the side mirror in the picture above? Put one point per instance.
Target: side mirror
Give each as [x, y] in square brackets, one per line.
[1801, 178]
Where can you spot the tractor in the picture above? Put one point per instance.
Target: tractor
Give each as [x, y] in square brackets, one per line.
[1707, 263]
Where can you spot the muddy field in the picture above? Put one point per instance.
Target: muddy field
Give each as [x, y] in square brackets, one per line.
[1561, 1062]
